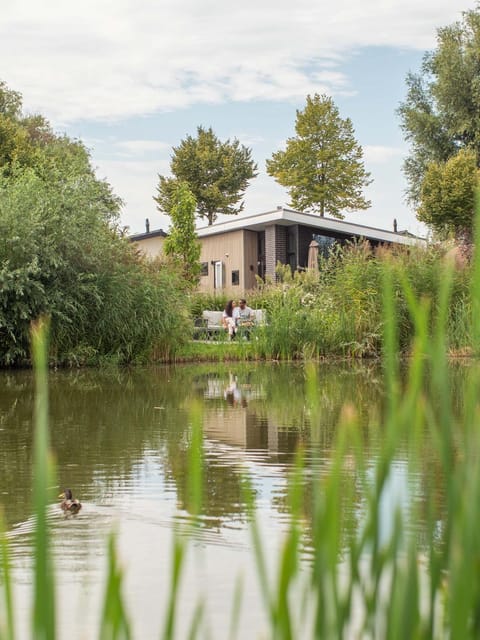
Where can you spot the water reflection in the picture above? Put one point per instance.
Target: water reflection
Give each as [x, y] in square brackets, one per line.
[128, 431]
[121, 441]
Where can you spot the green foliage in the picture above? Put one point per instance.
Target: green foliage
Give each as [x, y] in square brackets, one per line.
[338, 313]
[61, 254]
[447, 195]
[216, 172]
[114, 621]
[182, 243]
[439, 115]
[201, 301]
[10, 101]
[322, 167]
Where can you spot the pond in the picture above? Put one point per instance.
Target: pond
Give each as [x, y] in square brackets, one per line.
[120, 440]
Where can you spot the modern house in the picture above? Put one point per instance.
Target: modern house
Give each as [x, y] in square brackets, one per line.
[235, 251]
[150, 242]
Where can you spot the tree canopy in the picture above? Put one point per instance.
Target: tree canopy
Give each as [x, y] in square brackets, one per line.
[447, 196]
[217, 174]
[322, 166]
[440, 118]
[62, 254]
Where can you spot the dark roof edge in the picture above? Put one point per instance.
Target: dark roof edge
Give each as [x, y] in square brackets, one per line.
[151, 234]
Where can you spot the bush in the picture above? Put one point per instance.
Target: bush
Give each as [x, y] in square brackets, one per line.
[338, 311]
[60, 255]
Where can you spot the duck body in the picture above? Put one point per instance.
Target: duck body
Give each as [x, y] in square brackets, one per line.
[69, 504]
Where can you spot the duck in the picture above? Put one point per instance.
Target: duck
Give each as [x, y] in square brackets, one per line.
[69, 504]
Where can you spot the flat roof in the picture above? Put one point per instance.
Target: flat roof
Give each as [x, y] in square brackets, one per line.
[288, 217]
[148, 234]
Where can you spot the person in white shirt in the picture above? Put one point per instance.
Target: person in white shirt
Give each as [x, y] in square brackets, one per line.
[229, 318]
[244, 315]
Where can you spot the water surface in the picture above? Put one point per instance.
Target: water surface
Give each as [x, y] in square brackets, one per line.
[120, 440]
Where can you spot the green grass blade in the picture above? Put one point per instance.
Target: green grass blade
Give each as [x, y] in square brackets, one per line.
[236, 608]
[258, 550]
[178, 557]
[7, 632]
[475, 281]
[44, 604]
[195, 462]
[114, 624]
[196, 623]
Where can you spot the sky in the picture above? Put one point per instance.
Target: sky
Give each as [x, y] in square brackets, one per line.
[132, 78]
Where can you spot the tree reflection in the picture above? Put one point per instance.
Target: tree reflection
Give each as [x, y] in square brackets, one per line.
[105, 424]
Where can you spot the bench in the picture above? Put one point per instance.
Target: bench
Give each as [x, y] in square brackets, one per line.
[210, 327]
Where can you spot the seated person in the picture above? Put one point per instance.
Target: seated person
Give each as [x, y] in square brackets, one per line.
[229, 318]
[244, 315]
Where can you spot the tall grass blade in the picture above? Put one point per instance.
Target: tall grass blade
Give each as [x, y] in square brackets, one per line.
[236, 608]
[7, 631]
[180, 542]
[289, 558]
[195, 462]
[114, 623]
[259, 552]
[178, 557]
[196, 623]
[475, 280]
[44, 603]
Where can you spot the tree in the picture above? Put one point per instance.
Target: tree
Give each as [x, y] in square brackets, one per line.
[182, 243]
[439, 117]
[216, 172]
[10, 101]
[447, 195]
[61, 254]
[322, 166]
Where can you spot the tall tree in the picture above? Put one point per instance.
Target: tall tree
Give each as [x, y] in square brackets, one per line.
[440, 115]
[322, 166]
[447, 195]
[61, 254]
[216, 172]
[182, 243]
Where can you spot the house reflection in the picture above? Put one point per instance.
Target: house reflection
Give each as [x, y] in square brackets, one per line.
[238, 417]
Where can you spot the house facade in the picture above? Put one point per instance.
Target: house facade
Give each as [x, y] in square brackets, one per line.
[149, 243]
[235, 251]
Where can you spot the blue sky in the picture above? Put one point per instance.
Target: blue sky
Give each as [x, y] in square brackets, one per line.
[131, 78]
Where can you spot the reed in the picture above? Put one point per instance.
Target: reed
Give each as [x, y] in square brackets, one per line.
[114, 624]
[44, 595]
[7, 623]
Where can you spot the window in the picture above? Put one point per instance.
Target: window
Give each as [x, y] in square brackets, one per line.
[204, 268]
[235, 277]
[218, 274]
[325, 244]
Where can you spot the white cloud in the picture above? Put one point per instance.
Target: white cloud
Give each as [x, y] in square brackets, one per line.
[111, 60]
[378, 154]
[248, 139]
[135, 182]
[142, 147]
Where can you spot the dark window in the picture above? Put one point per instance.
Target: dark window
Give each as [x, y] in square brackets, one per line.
[261, 254]
[292, 247]
[235, 277]
[204, 268]
[325, 244]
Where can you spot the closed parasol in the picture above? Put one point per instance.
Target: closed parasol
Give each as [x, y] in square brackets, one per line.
[312, 262]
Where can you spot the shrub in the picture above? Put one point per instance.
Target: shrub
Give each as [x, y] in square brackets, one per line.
[338, 311]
